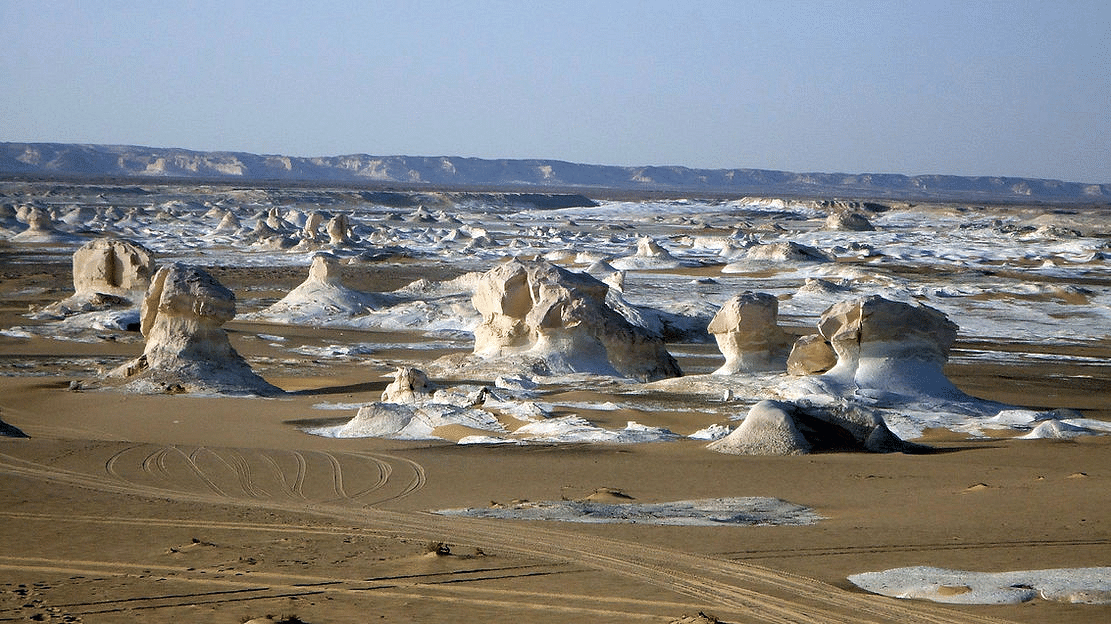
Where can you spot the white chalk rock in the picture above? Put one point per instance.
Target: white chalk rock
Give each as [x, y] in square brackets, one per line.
[311, 229]
[786, 251]
[112, 266]
[890, 346]
[409, 385]
[561, 317]
[811, 355]
[40, 227]
[768, 429]
[187, 348]
[748, 335]
[339, 230]
[783, 428]
[849, 221]
[649, 255]
[322, 295]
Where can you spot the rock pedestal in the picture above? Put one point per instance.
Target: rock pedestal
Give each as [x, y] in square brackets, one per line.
[187, 348]
[748, 335]
[890, 346]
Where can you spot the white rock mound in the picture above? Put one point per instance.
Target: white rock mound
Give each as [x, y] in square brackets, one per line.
[540, 310]
[187, 349]
[40, 227]
[320, 296]
[748, 335]
[649, 255]
[849, 221]
[891, 347]
[783, 428]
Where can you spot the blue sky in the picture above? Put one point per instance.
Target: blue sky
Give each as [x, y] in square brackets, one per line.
[963, 87]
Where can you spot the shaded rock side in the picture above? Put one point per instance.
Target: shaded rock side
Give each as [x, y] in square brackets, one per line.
[542, 310]
[784, 428]
[811, 355]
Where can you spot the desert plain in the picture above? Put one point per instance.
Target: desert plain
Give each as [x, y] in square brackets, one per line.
[122, 507]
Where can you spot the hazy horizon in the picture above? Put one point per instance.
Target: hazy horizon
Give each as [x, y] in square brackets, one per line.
[1000, 89]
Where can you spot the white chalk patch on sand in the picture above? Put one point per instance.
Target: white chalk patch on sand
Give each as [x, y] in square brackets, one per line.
[745, 511]
[1074, 585]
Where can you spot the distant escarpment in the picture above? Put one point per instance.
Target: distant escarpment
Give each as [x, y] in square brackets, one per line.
[62, 159]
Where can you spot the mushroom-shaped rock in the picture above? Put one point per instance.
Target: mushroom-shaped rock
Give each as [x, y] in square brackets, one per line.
[112, 266]
[784, 428]
[545, 311]
[649, 255]
[40, 227]
[409, 385]
[850, 221]
[311, 230]
[811, 355]
[748, 335]
[187, 348]
[339, 231]
[890, 346]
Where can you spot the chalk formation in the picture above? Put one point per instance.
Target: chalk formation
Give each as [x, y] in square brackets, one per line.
[890, 346]
[748, 335]
[187, 349]
[108, 274]
[541, 310]
[784, 428]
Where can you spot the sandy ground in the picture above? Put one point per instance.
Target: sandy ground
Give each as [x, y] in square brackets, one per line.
[125, 508]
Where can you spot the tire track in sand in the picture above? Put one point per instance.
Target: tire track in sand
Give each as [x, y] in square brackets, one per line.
[752, 592]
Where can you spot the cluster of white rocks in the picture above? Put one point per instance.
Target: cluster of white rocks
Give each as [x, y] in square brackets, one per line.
[867, 353]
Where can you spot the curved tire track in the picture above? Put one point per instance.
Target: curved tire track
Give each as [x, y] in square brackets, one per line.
[753, 592]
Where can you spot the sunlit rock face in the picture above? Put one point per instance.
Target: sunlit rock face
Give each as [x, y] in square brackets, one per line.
[339, 230]
[187, 348]
[112, 266]
[784, 428]
[748, 335]
[542, 310]
[890, 346]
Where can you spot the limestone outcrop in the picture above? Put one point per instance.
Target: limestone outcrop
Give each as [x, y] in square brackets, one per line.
[187, 349]
[649, 255]
[112, 266]
[748, 335]
[561, 317]
[890, 346]
[110, 276]
[849, 221]
[784, 428]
